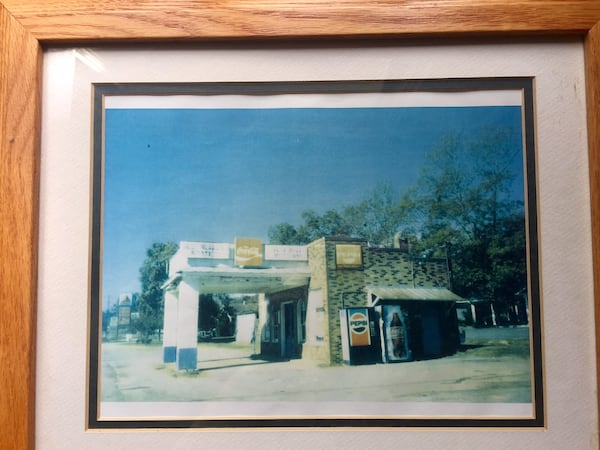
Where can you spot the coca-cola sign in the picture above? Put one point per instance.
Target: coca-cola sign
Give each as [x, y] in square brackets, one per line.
[248, 252]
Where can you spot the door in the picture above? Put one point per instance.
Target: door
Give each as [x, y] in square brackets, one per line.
[432, 338]
[289, 341]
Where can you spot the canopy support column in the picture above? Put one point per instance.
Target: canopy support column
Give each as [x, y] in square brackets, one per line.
[187, 327]
[170, 327]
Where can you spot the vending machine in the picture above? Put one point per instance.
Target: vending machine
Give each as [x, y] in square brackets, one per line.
[394, 333]
[360, 336]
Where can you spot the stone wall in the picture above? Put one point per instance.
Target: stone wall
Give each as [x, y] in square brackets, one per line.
[388, 267]
[345, 287]
[316, 346]
[346, 290]
[431, 273]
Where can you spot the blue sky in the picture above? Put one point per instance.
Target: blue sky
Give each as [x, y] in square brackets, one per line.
[213, 174]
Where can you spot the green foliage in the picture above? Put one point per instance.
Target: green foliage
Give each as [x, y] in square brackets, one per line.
[463, 208]
[331, 223]
[153, 273]
[375, 219]
[216, 313]
[208, 311]
[284, 234]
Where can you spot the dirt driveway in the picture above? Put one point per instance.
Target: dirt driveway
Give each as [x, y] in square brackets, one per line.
[485, 371]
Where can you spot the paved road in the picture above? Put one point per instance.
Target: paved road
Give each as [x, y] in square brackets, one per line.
[496, 372]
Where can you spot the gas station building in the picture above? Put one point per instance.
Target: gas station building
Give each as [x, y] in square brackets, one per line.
[335, 300]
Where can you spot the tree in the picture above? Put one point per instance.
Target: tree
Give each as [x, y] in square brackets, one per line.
[463, 207]
[227, 318]
[331, 223]
[376, 219]
[284, 234]
[216, 313]
[153, 273]
[208, 311]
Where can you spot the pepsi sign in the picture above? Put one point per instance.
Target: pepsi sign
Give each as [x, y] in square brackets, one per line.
[358, 324]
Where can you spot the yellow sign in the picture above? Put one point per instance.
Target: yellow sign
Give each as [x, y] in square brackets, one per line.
[348, 255]
[248, 252]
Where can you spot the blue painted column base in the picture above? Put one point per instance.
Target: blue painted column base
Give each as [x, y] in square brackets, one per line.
[169, 354]
[187, 358]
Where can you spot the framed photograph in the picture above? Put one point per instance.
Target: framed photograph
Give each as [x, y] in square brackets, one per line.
[262, 251]
[32, 29]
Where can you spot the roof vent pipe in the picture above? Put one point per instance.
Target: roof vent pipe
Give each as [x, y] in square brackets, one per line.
[400, 242]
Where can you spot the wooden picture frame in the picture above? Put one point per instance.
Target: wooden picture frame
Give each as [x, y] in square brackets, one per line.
[28, 26]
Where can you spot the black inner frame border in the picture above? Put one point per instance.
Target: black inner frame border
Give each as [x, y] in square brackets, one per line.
[101, 90]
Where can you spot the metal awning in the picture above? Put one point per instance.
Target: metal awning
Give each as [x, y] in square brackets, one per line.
[378, 293]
